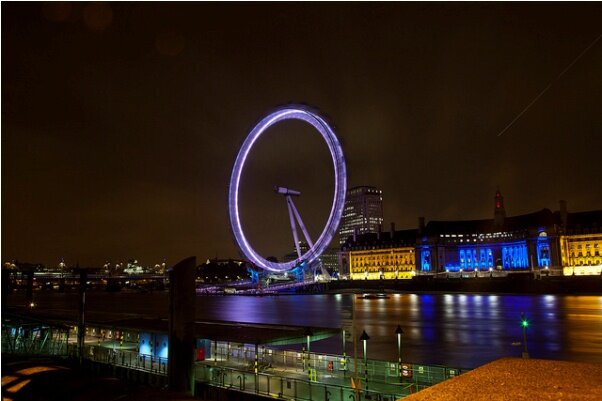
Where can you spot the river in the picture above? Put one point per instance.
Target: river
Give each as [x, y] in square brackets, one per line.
[458, 330]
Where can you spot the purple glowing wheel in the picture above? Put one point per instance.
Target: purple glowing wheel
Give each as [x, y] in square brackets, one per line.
[292, 112]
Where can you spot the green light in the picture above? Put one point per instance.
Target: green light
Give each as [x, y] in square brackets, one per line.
[524, 323]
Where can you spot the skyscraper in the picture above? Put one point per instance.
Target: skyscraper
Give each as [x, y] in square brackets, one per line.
[363, 212]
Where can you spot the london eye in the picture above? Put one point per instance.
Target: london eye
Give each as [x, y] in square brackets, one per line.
[302, 113]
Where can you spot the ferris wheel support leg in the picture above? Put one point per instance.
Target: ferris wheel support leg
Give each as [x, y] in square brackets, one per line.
[303, 229]
[291, 206]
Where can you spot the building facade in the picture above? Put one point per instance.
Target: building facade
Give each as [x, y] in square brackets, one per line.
[363, 212]
[517, 243]
[548, 242]
[380, 255]
[581, 242]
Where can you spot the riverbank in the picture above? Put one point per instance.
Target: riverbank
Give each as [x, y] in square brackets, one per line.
[512, 284]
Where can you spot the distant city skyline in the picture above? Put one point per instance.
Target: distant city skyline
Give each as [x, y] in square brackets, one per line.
[121, 121]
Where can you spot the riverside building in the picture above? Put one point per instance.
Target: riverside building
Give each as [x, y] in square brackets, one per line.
[382, 255]
[544, 242]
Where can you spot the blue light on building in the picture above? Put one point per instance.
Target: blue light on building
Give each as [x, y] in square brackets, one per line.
[254, 275]
[152, 344]
[161, 345]
[543, 250]
[472, 258]
[426, 259]
[299, 271]
[146, 344]
[515, 255]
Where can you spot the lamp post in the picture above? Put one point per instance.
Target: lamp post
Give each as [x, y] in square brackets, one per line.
[524, 324]
[364, 338]
[344, 354]
[308, 334]
[399, 332]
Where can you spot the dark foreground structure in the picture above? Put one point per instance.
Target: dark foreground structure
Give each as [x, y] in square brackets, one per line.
[36, 378]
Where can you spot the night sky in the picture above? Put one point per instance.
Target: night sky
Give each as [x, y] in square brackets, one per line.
[121, 121]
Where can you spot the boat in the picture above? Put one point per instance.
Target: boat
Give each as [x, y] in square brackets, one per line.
[374, 296]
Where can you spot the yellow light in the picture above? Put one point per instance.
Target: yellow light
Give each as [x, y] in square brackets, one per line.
[8, 379]
[35, 369]
[583, 270]
[18, 386]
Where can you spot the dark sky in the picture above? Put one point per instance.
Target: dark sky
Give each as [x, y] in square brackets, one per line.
[121, 121]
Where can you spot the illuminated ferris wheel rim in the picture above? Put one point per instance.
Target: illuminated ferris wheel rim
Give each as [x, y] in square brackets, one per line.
[291, 112]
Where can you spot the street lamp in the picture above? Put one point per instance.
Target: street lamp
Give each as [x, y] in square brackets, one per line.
[364, 338]
[344, 353]
[308, 333]
[524, 324]
[399, 332]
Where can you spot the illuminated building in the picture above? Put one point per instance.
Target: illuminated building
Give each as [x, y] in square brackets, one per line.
[543, 242]
[362, 213]
[581, 242]
[554, 242]
[381, 255]
[517, 243]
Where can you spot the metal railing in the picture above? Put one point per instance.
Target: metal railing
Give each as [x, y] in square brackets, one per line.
[239, 355]
[293, 388]
[297, 375]
[126, 358]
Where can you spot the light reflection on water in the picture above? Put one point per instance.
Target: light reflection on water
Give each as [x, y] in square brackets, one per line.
[447, 329]
[459, 330]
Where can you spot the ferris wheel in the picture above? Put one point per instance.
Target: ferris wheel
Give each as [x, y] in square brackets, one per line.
[290, 112]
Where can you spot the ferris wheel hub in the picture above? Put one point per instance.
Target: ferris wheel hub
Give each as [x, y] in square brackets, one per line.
[286, 191]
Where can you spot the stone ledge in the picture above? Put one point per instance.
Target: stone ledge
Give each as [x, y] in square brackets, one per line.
[515, 379]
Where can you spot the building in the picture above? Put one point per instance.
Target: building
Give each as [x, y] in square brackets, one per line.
[513, 244]
[330, 261]
[556, 242]
[303, 246]
[363, 212]
[581, 242]
[544, 241]
[381, 255]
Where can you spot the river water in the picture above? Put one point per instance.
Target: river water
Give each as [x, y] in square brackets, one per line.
[458, 330]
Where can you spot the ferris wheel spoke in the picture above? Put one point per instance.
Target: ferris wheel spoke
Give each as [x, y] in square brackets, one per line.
[303, 229]
[290, 206]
